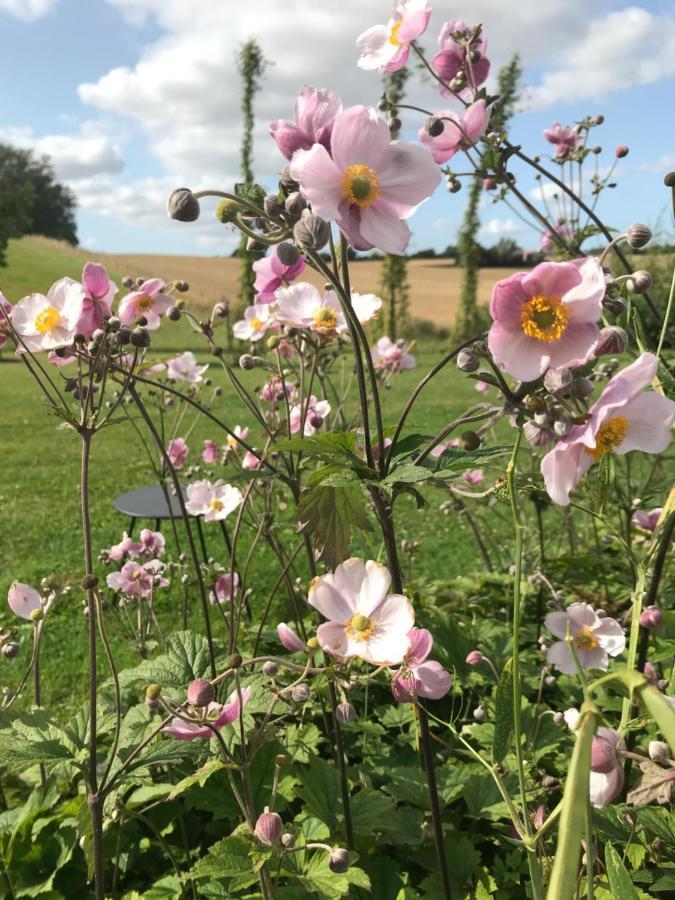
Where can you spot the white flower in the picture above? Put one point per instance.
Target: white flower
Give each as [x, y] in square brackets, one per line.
[256, 321]
[46, 323]
[303, 306]
[364, 620]
[213, 501]
[595, 639]
[185, 368]
[366, 306]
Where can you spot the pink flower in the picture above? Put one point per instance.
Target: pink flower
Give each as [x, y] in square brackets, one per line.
[285, 349]
[387, 47]
[126, 547]
[367, 183]
[273, 390]
[482, 387]
[257, 320]
[210, 453]
[46, 323]
[595, 639]
[138, 580]
[459, 132]
[6, 308]
[289, 638]
[651, 617]
[213, 501]
[148, 301]
[390, 356]
[185, 368]
[225, 588]
[216, 715]
[440, 449]
[606, 779]
[313, 116]
[99, 292]
[473, 476]
[232, 443]
[177, 452]
[547, 317]
[647, 521]
[455, 54]
[251, 461]
[417, 677]
[564, 137]
[474, 658]
[152, 543]
[364, 620]
[546, 242]
[315, 412]
[272, 274]
[23, 600]
[303, 306]
[622, 419]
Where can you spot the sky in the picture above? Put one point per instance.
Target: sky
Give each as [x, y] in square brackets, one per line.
[132, 98]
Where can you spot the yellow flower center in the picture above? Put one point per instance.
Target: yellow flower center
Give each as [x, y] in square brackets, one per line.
[610, 435]
[215, 504]
[360, 185]
[585, 639]
[256, 324]
[48, 319]
[145, 302]
[232, 442]
[544, 318]
[360, 627]
[325, 318]
[393, 34]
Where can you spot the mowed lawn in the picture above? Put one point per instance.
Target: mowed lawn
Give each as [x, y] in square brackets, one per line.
[40, 530]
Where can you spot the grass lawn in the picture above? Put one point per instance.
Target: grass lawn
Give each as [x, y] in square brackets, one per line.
[39, 497]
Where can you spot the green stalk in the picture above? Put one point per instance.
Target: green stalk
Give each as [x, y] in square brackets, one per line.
[633, 639]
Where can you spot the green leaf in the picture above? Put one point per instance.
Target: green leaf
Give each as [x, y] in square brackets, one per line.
[339, 444]
[450, 463]
[619, 879]
[321, 881]
[503, 713]
[603, 483]
[371, 811]
[320, 791]
[186, 658]
[199, 777]
[329, 514]
[227, 858]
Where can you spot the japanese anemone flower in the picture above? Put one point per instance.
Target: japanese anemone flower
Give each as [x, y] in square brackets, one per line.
[564, 138]
[460, 132]
[418, 677]
[213, 501]
[313, 116]
[271, 274]
[185, 368]
[387, 47]
[367, 183]
[46, 323]
[216, 716]
[257, 319]
[595, 639]
[622, 419]
[147, 301]
[453, 57]
[99, 292]
[546, 318]
[364, 619]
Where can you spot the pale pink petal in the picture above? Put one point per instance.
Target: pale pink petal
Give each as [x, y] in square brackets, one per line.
[559, 655]
[332, 638]
[612, 636]
[408, 178]
[230, 710]
[432, 681]
[581, 615]
[421, 643]
[605, 788]
[360, 137]
[330, 603]
[374, 47]
[563, 468]
[383, 228]
[320, 180]
[414, 25]
[385, 649]
[374, 587]
[23, 600]
[556, 623]
[650, 419]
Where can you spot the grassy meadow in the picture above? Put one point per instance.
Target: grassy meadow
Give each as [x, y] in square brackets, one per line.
[39, 499]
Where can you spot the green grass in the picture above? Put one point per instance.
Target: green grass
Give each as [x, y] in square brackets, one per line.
[39, 494]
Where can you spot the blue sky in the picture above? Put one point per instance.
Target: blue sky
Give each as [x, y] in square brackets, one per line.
[134, 97]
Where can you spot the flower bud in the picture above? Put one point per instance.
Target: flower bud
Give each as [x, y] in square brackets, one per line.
[273, 206]
[621, 151]
[295, 204]
[489, 184]
[183, 205]
[37, 615]
[467, 361]
[639, 282]
[200, 692]
[10, 650]
[270, 668]
[273, 341]
[288, 253]
[603, 757]
[434, 127]
[612, 340]
[153, 691]
[233, 661]
[537, 436]
[300, 693]
[639, 235]
[582, 388]
[289, 638]
[557, 381]
[479, 714]
[227, 210]
[312, 643]
[344, 713]
[550, 680]
[338, 861]
[123, 337]
[89, 582]
[395, 125]
[562, 426]
[288, 840]
[140, 337]
[221, 311]
[651, 617]
[281, 760]
[475, 658]
[659, 751]
[615, 305]
[469, 440]
[254, 246]
[269, 828]
[173, 313]
[246, 361]
[286, 182]
[311, 232]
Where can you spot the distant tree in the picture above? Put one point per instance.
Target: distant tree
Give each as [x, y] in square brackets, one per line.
[31, 200]
[251, 64]
[470, 317]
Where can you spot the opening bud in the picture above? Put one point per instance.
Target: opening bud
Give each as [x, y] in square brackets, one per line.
[621, 151]
[311, 232]
[603, 756]
[269, 828]
[612, 340]
[227, 210]
[345, 712]
[475, 658]
[467, 361]
[651, 617]
[183, 205]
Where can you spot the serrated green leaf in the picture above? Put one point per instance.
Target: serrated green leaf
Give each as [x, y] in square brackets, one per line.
[199, 777]
[320, 790]
[186, 658]
[503, 724]
[619, 879]
[329, 514]
[371, 811]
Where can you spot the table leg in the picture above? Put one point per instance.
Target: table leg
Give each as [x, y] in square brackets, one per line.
[131, 526]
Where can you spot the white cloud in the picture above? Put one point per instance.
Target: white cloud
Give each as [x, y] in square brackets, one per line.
[545, 189]
[620, 50]
[501, 227]
[27, 10]
[83, 154]
[444, 224]
[663, 164]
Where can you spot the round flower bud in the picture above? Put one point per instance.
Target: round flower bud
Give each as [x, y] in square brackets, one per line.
[558, 718]
[582, 388]
[489, 184]
[286, 182]
[128, 281]
[659, 751]
[557, 381]
[612, 340]
[395, 125]
[200, 692]
[479, 714]
[10, 650]
[312, 644]
[300, 693]
[475, 658]
[173, 313]
[288, 253]
[651, 617]
[536, 436]
[288, 840]
[467, 361]
[269, 828]
[227, 210]
[233, 661]
[562, 426]
[270, 668]
[281, 760]
[153, 691]
[123, 337]
[273, 206]
[615, 305]
[669, 179]
[183, 205]
[603, 757]
[311, 232]
[89, 582]
[469, 440]
[621, 151]
[338, 861]
[639, 235]
[246, 361]
[295, 203]
[273, 341]
[639, 282]
[140, 337]
[345, 712]
[434, 127]
[550, 680]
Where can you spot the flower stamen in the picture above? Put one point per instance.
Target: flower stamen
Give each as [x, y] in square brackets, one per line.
[47, 320]
[360, 627]
[393, 34]
[325, 318]
[360, 185]
[585, 639]
[544, 318]
[609, 436]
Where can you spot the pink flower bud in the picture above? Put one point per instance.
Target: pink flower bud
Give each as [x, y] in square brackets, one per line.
[539, 817]
[289, 638]
[621, 151]
[650, 673]
[338, 861]
[200, 692]
[651, 617]
[269, 828]
[603, 757]
[489, 184]
[475, 658]
[315, 420]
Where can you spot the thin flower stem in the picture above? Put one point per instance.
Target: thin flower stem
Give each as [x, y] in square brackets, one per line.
[342, 768]
[437, 822]
[634, 637]
[666, 316]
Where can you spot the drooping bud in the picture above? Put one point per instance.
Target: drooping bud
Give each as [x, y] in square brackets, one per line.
[288, 253]
[612, 340]
[537, 436]
[183, 205]
[269, 828]
[300, 693]
[289, 638]
[651, 617]
[434, 127]
[311, 232]
[282, 760]
[200, 692]
[140, 337]
[469, 440]
[295, 204]
[227, 210]
[582, 388]
[270, 668]
[286, 182]
[659, 751]
[557, 381]
[173, 313]
[338, 861]
[288, 840]
[475, 658]
[479, 714]
[246, 361]
[467, 361]
[639, 235]
[639, 282]
[603, 756]
[345, 712]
